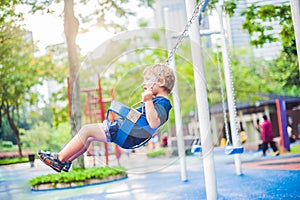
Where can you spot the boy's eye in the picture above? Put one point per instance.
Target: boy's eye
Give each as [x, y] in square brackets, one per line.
[147, 82]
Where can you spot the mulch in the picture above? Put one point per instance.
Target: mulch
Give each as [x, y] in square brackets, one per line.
[14, 154]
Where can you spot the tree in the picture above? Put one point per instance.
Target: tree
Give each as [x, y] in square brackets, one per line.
[20, 71]
[284, 69]
[98, 17]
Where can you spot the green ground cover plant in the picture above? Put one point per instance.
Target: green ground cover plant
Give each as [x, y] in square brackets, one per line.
[156, 153]
[78, 175]
[295, 149]
[9, 161]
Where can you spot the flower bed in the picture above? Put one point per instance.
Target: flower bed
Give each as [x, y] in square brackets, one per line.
[77, 177]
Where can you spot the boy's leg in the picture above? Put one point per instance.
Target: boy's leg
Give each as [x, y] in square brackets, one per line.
[80, 142]
[82, 150]
[77, 146]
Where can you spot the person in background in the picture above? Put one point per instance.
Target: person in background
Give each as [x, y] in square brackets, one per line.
[290, 133]
[267, 136]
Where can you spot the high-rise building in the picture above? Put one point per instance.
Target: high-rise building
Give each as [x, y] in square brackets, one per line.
[178, 16]
[237, 37]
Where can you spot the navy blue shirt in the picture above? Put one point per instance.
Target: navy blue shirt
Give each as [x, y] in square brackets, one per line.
[162, 106]
[139, 135]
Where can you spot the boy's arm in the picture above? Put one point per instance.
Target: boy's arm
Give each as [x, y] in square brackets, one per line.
[151, 113]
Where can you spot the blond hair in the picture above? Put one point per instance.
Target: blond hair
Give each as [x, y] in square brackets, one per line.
[162, 73]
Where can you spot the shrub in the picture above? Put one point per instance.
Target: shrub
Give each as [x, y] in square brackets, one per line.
[77, 175]
[9, 161]
[156, 153]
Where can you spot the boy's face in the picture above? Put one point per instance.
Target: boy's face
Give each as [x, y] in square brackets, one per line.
[149, 81]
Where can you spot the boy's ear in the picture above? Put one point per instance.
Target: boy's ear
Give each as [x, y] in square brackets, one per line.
[161, 82]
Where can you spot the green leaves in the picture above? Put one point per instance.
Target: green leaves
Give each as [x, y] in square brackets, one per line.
[77, 175]
[256, 23]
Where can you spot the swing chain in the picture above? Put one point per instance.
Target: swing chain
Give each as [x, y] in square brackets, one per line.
[180, 38]
[184, 33]
[223, 101]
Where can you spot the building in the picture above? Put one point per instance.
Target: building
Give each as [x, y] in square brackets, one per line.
[240, 38]
[177, 14]
[248, 114]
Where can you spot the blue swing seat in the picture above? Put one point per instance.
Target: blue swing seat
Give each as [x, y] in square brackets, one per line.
[134, 124]
[229, 150]
[196, 146]
[196, 149]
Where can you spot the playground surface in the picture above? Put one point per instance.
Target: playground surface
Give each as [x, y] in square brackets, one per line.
[269, 177]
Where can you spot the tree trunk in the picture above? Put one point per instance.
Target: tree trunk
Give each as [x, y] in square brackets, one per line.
[14, 129]
[71, 29]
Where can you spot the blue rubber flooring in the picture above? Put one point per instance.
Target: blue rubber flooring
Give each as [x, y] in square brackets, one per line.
[160, 178]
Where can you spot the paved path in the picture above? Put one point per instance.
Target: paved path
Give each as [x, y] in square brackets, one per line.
[159, 178]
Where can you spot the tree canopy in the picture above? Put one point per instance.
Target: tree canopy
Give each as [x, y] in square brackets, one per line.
[284, 69]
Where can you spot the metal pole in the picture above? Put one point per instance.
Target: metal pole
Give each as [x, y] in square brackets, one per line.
[295, 6]
[176, 102]
[229, 91]
[102, 115]
[202, 106]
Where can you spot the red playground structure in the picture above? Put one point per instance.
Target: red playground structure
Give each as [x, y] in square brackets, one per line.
[94, 111]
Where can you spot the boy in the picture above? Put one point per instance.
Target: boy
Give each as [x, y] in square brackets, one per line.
[158, 83]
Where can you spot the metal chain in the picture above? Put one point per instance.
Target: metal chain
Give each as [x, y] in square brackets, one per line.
[184, 33]
[223, 101]
[180, 38]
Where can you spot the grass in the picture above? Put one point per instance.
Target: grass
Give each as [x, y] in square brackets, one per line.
[9, 161]
[156, 153]
[295, 149]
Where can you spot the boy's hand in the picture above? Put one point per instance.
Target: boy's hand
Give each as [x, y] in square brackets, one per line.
[147, 95]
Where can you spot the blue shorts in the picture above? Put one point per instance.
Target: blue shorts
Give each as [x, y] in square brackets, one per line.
[111, 130]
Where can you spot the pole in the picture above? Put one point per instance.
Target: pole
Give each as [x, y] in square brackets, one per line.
[202, 106]
[230, 92]
[102, 113]
[295, 7]
[176, 102]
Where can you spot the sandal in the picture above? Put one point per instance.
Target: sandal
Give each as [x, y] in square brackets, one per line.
[50, 159]
[67, 166]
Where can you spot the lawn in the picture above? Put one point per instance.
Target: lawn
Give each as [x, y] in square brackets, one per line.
[295, 148]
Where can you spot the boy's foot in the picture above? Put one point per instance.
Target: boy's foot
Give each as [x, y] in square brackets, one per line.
[67, 166]
[277, 153]
[50, 159]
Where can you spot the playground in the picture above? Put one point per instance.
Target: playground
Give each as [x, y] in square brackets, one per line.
[159, 178]
[219, 166]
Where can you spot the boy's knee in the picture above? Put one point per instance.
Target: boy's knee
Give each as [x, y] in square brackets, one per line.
[86, 129]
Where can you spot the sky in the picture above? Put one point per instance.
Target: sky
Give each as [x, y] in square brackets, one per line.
[47, 29]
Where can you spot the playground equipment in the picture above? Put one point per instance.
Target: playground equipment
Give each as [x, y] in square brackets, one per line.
[94, 110]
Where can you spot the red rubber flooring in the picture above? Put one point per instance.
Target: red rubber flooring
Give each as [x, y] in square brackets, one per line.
[292, 163]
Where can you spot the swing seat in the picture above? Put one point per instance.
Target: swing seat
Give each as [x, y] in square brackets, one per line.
[196, 149]
[134, 125]
[229, 150]
[196, 146]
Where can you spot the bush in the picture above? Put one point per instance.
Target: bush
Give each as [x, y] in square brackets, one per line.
[295, 149]
[9, 161]
[156, 153]
[42, 136]
[77, 175]
[7, 146]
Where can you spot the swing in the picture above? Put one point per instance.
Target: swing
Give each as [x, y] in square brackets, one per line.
[229, 148]
[133, 119]
[196, 146]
